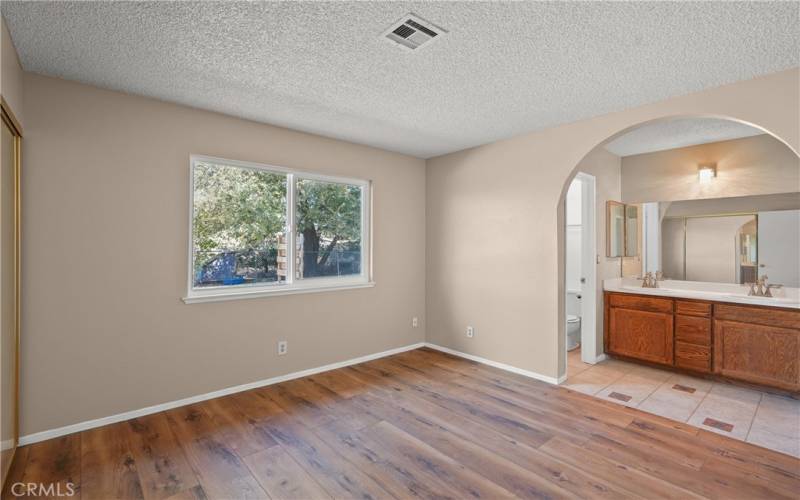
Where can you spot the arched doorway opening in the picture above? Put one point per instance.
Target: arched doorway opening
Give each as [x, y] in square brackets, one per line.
[598, 162]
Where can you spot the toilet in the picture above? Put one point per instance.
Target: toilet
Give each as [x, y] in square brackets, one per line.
[573, 319]
[573, 332]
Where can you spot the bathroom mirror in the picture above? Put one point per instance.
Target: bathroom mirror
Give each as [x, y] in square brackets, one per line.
[631, 230]
[615, 229]
[725, 240]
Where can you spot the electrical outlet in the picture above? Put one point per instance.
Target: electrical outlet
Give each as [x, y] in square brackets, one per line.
[283, 347]
[470, 332]
[414, 322]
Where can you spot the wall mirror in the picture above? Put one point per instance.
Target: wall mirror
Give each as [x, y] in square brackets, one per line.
[622, 229]
[615, 229]
[726, 240]
[9, 288]
[631, 230]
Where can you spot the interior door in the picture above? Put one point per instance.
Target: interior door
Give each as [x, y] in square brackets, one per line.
[778, 241]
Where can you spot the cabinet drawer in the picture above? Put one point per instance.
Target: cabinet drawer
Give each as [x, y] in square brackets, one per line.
[693, 330]
[692, 357]
[767, 316]
[640, 303]
[693, 308]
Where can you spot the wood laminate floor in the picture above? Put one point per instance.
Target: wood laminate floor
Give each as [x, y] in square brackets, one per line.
[418, 424]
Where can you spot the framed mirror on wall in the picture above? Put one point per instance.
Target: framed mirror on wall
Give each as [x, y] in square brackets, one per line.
[615, 229]
[10, 163]
[622, 229]
[632, 230]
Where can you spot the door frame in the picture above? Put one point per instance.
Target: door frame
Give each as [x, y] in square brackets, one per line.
[589, 257]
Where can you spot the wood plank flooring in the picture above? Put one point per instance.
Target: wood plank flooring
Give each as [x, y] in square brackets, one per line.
[418, 424]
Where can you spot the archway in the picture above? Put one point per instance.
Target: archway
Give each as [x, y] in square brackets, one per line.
[601, 230]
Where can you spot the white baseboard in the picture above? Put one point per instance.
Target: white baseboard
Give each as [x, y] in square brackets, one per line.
[98, 422]
[502, 366]
[600, 358]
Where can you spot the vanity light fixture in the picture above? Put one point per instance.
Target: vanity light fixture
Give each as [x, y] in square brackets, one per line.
[706, 172]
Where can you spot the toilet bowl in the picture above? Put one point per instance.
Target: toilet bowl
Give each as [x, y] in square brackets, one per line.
[573, 332]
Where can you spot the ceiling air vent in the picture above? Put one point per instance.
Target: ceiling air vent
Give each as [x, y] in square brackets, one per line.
[412, 32]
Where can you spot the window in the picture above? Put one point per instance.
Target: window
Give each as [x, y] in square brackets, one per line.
[260, 230]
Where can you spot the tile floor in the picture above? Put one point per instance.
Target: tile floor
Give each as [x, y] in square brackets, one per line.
[756, 417]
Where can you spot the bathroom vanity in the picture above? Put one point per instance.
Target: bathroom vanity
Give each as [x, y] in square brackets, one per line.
[713, 329]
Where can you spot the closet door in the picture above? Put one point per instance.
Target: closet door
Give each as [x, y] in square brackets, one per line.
[9, 291]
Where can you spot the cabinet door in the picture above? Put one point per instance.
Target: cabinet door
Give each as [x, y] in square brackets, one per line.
[645, 335]
[760, 354]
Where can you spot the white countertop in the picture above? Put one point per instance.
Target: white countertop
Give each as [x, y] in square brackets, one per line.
[719, 292]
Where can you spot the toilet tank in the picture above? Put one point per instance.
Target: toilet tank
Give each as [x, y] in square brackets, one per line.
[574, 302]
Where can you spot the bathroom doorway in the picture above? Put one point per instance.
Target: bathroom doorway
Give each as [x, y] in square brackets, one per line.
[581, 269]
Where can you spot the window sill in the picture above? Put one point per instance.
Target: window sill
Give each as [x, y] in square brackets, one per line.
[260, 293]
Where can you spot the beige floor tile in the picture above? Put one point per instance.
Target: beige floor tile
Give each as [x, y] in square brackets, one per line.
[609, 371]
[592, 381]
[677, 404]
[767, 439]
[616, 365]
[734, 393]
[576, 367]
[778, 416]
[630, 390]
[574, 363]
[650, 373]
[732, 416]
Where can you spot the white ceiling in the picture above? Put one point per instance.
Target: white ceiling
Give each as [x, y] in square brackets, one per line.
[502, 70]
[678, 133]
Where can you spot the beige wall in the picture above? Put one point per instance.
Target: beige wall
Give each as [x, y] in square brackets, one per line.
[749, 166]
[10, 74]
[495, 240]
[106, 180]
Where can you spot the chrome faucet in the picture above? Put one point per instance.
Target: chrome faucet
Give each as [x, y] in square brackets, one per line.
[761, 289]
[650, 280]
[767, 292]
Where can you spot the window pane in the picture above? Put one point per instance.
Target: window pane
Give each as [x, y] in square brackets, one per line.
[328, 229]
[238, 226]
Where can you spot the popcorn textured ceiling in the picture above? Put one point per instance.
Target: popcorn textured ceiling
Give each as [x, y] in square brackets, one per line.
[678, 133]
[503, 69]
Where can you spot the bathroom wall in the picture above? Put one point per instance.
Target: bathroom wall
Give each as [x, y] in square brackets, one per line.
[754, 165]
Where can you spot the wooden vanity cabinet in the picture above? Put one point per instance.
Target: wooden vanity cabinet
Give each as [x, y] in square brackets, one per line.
[643, 327]
[755, 344]
[758, 345]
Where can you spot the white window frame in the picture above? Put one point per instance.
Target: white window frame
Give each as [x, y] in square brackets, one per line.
[291, 285]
